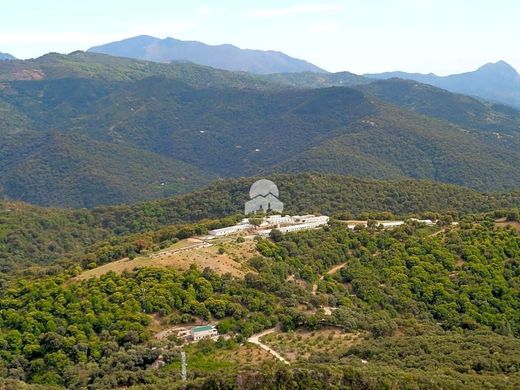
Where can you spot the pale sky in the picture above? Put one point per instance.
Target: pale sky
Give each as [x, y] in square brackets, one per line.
[440, 36]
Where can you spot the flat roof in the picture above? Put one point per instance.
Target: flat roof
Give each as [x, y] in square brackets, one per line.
[202, 328]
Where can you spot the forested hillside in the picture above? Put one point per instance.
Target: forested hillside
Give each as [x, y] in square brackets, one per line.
[317, 80]
[438, 103]
[31, 235]
[81, 65]
[415, 306]
[70, 169]
[182, 124]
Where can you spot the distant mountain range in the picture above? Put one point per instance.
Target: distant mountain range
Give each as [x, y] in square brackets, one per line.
[86, 129]
[227, 57]
[6, 56]
[498, 82]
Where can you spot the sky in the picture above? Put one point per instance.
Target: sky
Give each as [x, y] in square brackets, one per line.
[360, 36]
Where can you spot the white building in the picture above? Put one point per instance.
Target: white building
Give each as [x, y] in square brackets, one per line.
[311, 222]
[425, 221]
[321, 219]
[292, 224]
[230, 229]
[389, 224]
[203, 332]
[278, 219]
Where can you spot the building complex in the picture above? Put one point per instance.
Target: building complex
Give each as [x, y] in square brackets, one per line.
[285, 223]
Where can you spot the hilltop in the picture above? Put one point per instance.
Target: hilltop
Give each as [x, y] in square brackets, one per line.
[6, 56]
[496, 82]
[36, 236]
[226, 56]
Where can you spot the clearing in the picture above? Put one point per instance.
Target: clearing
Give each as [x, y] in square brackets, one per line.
[503, 223]
[300, 345]
[185, 253]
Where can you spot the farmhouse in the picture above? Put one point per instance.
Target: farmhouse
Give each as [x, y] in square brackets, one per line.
[203, 332]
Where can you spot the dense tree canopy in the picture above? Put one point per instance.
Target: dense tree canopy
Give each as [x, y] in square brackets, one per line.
[432, 285]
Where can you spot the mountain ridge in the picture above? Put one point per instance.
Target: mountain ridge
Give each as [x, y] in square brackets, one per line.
[6, 56]
[224, 56]
[496, 82]
[216, 123]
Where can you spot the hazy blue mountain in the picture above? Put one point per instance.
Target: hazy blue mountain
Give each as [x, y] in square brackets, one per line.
[6, 56]
[498, 82]
[227, 57]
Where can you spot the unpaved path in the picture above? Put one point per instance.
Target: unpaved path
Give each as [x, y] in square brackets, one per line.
[331, 271]
[255, 339]
[440, 231]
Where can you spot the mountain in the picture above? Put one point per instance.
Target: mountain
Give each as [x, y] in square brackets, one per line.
[74, 170]
[416, 96]
[227, 57]
[438, 103]
[497, 82]
[183, 124]
[6, 56]
[101, 67]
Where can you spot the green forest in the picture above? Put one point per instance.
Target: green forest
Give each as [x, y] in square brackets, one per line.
[432, 306]
[85, 129]
[31, 236]
[149, 157]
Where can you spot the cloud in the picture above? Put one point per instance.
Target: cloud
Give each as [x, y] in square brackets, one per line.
[295, 10]
[325, 27]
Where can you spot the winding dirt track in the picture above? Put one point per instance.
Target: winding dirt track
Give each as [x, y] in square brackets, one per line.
[255, 339]
[329, 272]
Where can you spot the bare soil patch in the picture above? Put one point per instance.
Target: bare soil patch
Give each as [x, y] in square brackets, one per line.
[514, 224]
[185, 253]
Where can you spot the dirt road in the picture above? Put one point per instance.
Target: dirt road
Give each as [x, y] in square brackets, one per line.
[329, 272]
[255, 339]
